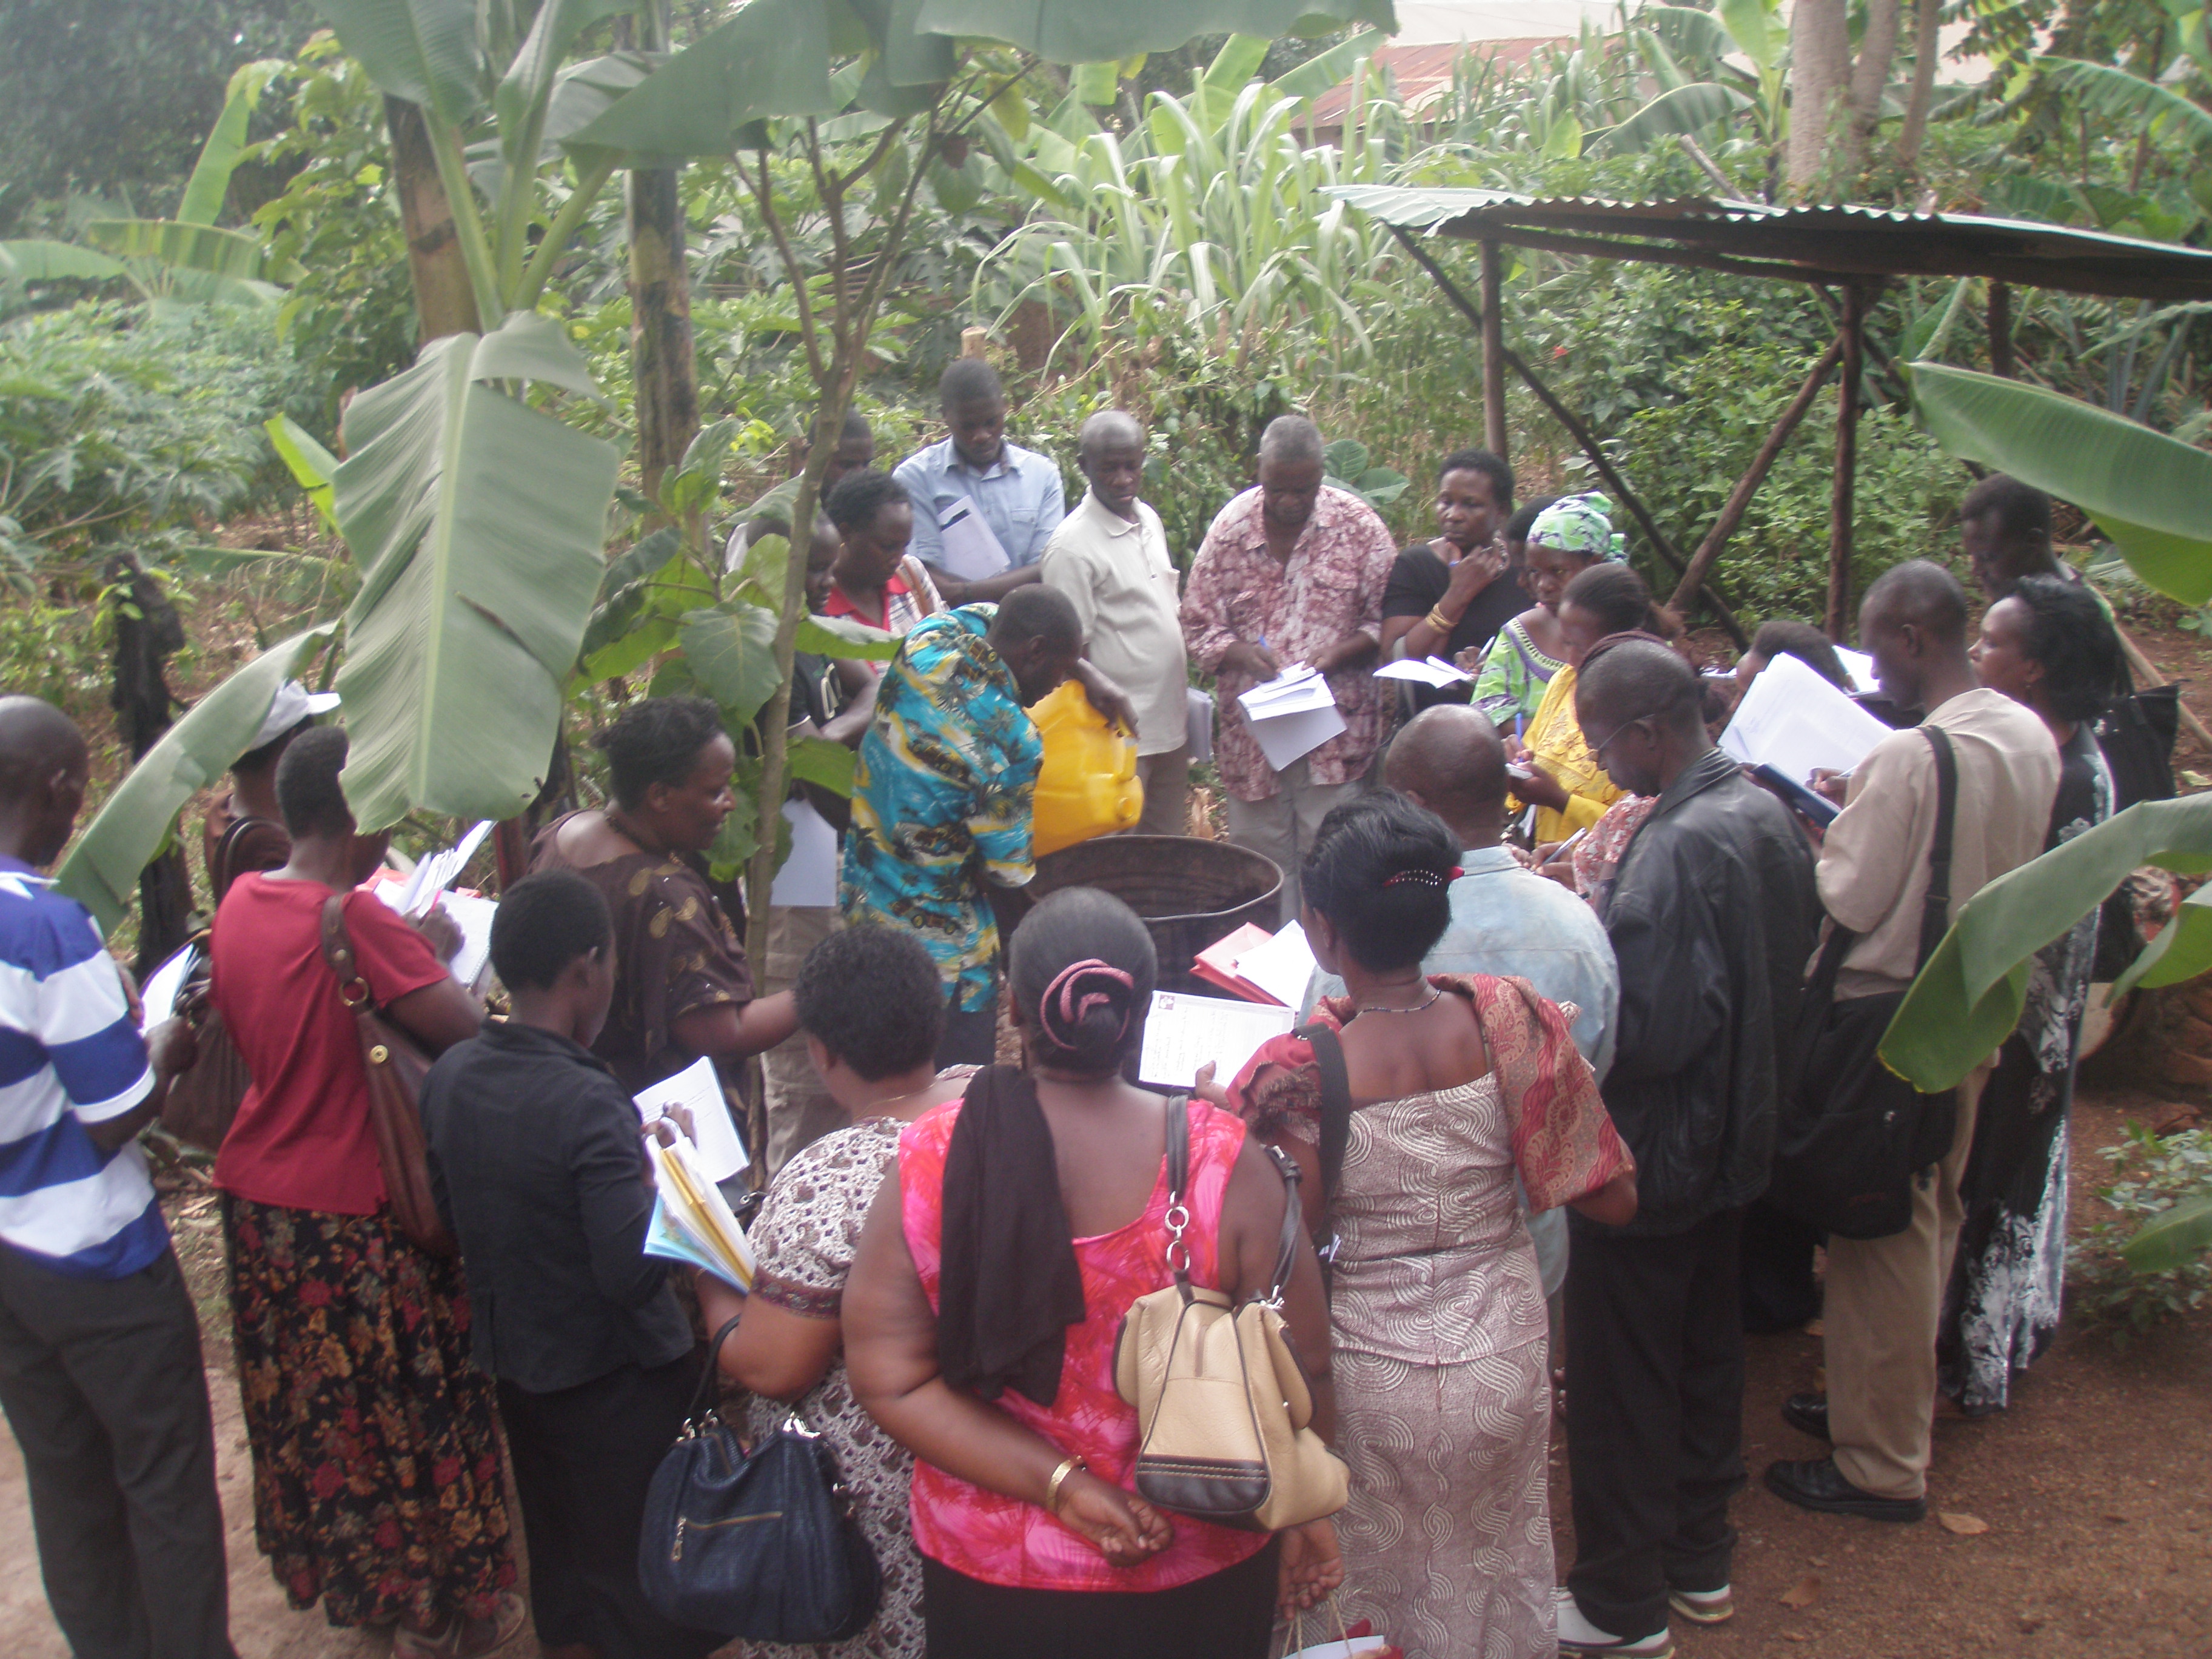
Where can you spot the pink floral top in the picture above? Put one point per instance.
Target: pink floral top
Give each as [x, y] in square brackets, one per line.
[1004, 1541]
[1331, 585]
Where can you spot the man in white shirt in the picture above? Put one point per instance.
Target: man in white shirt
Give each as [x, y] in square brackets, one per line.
[1110, 557]
[978, 501]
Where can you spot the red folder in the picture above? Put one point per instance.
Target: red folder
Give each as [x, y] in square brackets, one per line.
[1217, 965]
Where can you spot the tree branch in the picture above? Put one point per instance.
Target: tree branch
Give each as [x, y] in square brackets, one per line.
[764, 193]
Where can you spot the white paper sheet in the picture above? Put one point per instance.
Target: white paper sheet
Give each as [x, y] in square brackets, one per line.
[1292, 715]
[1281, 967]
[720, 1153]
[1423, 670]
[1183, 1032]
[437, 872]
[809, 875]
[1860, 666]
[972, 551]
[473, 916]
[158, 996]
[1794, 721]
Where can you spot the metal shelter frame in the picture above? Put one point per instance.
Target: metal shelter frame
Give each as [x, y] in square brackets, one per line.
[1847, 253]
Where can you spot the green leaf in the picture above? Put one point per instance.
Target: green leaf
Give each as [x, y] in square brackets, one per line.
[1317, 75]
[627, 652]
[530, 79]
[1968, 999]
[2107, 90]
[840, 636]
[2174, 1239]
[732, 650]
[311, 465]
[1687, 110]
[1345, 459]
[1085, 31]
[1095, 83]
[1563, 142]
[2182, 950]
[1757, 33]
[477, 522]
[42, 261]
[1689, 32]
[624, 592]
[819, 761]
[771, 58]
[227, 561]
[1012, 109]
[101, 870]
[2149, 494]
[226, 144]
[181, 247]
[426, 51]
[1237, 63]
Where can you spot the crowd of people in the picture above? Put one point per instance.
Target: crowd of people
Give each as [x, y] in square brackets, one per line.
[1562, 940]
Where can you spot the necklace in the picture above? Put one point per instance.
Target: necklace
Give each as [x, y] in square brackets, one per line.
[1428, 1002]
[880, 1108]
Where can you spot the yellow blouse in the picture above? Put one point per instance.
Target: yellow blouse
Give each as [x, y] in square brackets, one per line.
[1555, 743]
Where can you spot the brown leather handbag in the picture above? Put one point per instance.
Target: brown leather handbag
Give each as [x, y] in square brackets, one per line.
[202, 1101]
[396, 1067]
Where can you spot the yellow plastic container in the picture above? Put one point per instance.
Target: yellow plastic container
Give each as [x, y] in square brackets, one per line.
[1088, 784]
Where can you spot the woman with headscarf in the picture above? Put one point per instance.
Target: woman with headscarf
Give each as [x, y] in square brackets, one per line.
[2047, 644]
[981, 1315]
[1457, 1083]
[1566, 538]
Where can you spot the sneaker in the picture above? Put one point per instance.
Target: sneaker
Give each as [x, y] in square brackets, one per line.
[1580, 1640]
[1714, 1607]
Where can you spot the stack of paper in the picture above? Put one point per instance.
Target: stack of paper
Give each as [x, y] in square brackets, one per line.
[698, 1088]
[1794, 721]
[692, 1222]
[972, 550]
[1860, 667]
[437, 872]
[1292, 715]
[809, 875]
[1182, 1033]
[158, 997]
[1280, 967]
[1423, 670]
[471, 914]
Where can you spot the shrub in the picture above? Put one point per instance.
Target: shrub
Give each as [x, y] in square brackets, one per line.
[2155, 1172]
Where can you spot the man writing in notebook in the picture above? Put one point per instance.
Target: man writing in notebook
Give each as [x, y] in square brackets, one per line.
[1884, 1295]
[977, 498]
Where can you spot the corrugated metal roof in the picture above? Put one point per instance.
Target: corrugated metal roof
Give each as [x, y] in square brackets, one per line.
[1805, 244]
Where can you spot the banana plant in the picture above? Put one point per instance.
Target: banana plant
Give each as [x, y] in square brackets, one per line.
[1693, 54]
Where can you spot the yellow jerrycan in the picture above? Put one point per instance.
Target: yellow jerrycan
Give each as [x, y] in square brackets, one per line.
[1088, 784]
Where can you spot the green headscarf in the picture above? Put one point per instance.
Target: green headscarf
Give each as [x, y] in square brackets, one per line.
[1580, 524]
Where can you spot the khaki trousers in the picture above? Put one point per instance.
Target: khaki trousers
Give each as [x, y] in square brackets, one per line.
[1166, 779]
[1884, 1296]
[1282, 826]
[800, 1109]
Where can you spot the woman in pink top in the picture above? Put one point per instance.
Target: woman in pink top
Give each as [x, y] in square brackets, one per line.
[980, 1318]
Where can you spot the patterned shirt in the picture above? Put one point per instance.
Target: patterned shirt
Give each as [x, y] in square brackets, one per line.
[1513, 676]
[1331, 585]
[942, 798]
[70, 1056]
[1019, 495]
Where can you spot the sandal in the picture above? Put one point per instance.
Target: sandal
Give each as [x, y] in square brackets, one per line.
[465, 1638]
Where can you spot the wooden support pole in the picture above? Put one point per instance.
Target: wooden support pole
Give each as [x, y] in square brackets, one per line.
[2001, 330]
[1732, 511]
[1582, 436]
[1493, 354]
[1845, 482]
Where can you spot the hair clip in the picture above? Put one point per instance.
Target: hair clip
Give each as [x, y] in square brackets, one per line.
[1426, 877]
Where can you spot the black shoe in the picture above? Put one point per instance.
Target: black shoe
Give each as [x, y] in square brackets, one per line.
[1807, 1414]
[1818, 1484]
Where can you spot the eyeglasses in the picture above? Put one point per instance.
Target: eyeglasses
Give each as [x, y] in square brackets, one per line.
[1598, 752]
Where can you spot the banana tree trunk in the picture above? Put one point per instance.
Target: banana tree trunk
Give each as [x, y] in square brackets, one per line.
[445, 303]
[1819, 69]
[664, 363]
[1869, 77]
[1927, 15]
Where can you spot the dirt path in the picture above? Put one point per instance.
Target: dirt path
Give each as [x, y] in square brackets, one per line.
[2092, 1487]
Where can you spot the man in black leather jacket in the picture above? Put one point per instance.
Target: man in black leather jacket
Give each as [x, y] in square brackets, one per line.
[1712, 917]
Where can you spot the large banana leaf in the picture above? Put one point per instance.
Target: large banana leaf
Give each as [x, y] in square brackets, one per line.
[2174, 1239]
[101, 870]
[477, 522]
[1688, 109]
[426, 51]
[1085, 31]
[38, 260]
[2150, 493]
[226, 144]
[1967, 1000]
[311, 464]
[771, 58]
[180, 246]
[2107, 90]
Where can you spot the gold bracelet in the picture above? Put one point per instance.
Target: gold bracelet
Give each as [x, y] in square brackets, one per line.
[1441, 622]
[1068, 1467]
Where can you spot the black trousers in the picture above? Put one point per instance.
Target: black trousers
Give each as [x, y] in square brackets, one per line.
[583, 1458]
[103, 1384]
[1655, 1416]
[1230, 1615]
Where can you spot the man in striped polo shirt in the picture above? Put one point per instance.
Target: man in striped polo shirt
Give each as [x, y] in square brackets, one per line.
[100, 1351]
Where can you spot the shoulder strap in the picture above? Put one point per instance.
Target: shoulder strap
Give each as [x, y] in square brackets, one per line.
[710, 1375]
[338, 951]
[224, 868]
[1287, 1251]
[1178, 1147]
[1935, 916]
[1335, 1101]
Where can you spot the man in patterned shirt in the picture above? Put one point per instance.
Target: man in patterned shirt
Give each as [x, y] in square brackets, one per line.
[947, 782]
[1291, 571]
[99, 1348]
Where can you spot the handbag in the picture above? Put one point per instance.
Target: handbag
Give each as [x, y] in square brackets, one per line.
[761, 1545]
[1853, 1135]
[204, 1099]
[1224, 1413]
[395, 1068]
[1349, 1642]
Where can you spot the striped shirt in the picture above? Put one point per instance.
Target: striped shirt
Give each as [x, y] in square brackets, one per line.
[70, 1056]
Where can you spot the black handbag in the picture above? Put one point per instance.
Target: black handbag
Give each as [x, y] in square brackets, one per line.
[1853, 1135]
[761, 1545]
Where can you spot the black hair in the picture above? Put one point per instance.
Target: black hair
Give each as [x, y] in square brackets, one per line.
[1380, 871]
[656, 740]
[871, 996]
[1638, 677]
[1038, 612]
[856, 426]
[1524, 518]
[2021, 511]
[262, 758]
[1715, 705]
[1616, 596]
[969, 380]
[543, 923]
[1082, 967]
[859, 497]
[1782, 638]
[307, 791]
[1923, 593]
[1491, 467]
[2072, 639]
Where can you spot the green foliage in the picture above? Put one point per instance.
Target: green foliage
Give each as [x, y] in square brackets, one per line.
[2156, 1176]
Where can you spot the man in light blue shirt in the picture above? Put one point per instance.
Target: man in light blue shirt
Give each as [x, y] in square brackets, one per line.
[1014, 492]
[1504, 919]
